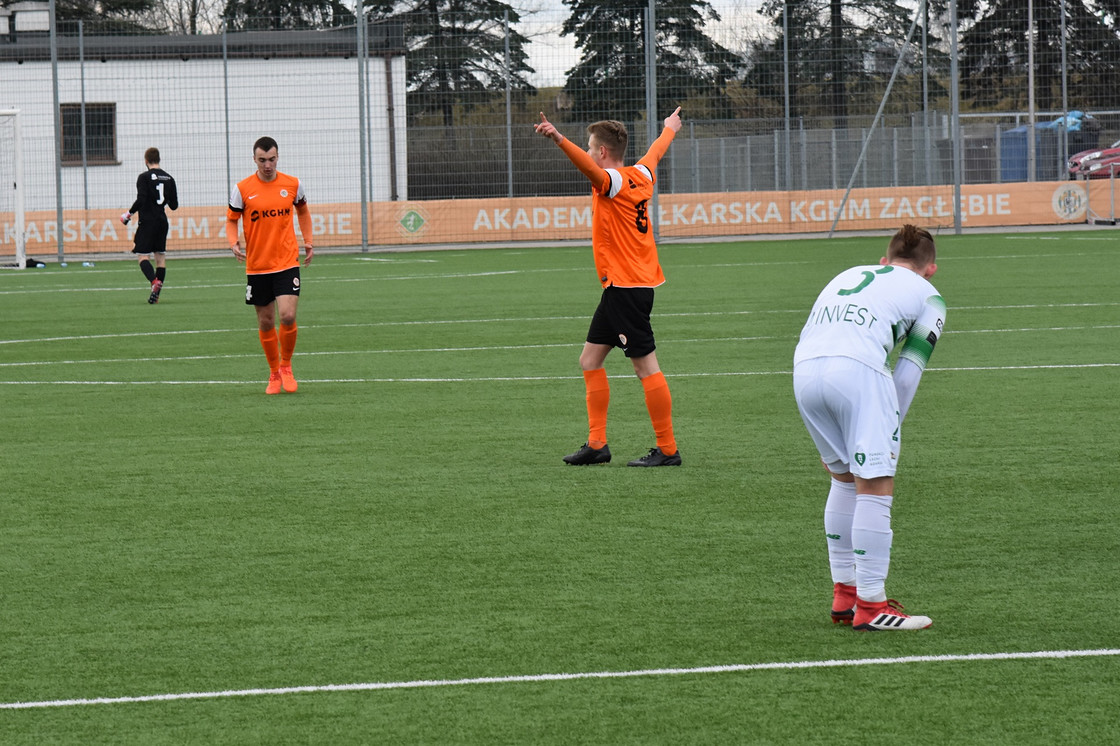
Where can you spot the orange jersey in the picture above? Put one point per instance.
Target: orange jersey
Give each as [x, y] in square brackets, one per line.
[621, 231]
[268, 208]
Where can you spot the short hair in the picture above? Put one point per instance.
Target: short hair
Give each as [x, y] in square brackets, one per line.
[151, 155]
[611, 135]
[913, 244]
[266, 144]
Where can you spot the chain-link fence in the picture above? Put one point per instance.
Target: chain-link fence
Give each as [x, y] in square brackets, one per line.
[417, 126]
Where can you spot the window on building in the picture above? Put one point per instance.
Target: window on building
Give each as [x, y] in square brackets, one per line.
[100, 134]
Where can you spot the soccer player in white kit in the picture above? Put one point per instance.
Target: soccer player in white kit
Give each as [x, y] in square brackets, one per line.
[853, 406]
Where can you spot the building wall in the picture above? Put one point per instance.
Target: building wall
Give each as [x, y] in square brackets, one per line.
[310, 106]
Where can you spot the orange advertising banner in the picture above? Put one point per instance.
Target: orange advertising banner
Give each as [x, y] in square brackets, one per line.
[569, 218]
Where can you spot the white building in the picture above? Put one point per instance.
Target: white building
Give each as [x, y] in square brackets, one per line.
[203, 101]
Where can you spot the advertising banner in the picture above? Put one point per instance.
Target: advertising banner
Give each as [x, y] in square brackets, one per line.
[569, 218]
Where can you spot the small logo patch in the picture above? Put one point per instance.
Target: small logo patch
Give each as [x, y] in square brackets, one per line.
[283, 192]
[412, 221]
[861, 458]
[622, 339]
[1070, 202]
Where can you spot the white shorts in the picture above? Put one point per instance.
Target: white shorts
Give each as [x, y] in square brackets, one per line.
[851, 412]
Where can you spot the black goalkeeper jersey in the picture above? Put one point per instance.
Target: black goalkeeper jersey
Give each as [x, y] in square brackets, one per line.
[155, 189]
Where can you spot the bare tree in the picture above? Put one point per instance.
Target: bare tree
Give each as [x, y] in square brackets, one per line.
[187, 16]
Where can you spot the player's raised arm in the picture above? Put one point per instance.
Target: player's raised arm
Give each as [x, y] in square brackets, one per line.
[661, 144]
[673, 121]
[547, 129]
[596, 175]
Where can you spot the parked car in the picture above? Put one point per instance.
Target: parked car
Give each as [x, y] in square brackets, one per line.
[1099, 163]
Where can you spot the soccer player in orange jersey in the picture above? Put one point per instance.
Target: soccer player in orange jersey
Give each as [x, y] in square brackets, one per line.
[267, 200]
[625, 255]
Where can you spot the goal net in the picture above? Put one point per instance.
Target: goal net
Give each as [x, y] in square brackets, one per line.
[13, 251]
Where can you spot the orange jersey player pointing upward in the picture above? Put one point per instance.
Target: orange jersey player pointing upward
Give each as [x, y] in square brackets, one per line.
[266, 201]
[625, 253]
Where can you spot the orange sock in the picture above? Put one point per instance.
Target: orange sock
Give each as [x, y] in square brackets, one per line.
[271, 346]
[598, 397]
[660, 405]
[287, 342]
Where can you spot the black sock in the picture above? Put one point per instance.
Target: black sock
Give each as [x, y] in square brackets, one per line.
[146, 268]
[161, 272]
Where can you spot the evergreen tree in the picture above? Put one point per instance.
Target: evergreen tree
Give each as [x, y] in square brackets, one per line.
[994, 53]
[244, 15]
[456, 53]
[609, 80]
[834, 47]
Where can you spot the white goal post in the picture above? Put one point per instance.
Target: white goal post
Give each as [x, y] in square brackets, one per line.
[1092, 186]
[12, 227]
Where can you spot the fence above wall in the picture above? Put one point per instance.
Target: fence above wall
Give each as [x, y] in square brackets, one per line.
[431, 131]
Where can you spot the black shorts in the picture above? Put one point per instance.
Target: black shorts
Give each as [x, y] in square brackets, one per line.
[150, 238]
[260, 290]
[622, 320]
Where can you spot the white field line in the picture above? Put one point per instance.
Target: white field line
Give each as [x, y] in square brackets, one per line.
[474, 348]
[549, 319]
[514, 379]
[366, 325]
[537, 678]
[131, 288]
[381, 351]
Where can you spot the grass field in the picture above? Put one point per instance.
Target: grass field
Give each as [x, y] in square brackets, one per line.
[167, 529]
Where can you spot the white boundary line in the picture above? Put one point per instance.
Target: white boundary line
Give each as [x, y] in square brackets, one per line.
[550, 319]
[529, 679]
[508, 379]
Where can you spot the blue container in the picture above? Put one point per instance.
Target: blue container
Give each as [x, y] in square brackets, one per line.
[1013, 153]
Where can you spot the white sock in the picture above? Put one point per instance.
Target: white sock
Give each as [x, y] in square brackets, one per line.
[839, 510]
[871, 540]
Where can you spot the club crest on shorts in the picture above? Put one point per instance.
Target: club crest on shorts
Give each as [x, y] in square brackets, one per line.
[622, 339]
[861, 458]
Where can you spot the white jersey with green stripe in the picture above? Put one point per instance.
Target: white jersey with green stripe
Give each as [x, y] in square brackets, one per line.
[867, 311]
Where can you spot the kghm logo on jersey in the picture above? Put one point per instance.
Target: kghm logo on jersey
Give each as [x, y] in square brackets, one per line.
[255, 215]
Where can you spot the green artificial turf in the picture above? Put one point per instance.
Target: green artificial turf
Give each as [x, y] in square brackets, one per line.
[168, 529]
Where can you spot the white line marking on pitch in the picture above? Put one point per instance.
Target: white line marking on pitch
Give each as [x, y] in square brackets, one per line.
[507, 379]
[536, 678]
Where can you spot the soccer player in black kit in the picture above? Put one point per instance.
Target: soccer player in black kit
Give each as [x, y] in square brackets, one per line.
[155, 189]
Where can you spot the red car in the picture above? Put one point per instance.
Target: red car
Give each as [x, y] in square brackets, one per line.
[1100, 163]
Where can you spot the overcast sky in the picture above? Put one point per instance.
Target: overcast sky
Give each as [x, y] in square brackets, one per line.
[551, 55]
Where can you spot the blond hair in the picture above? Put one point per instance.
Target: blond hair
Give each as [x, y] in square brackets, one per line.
[611, 135]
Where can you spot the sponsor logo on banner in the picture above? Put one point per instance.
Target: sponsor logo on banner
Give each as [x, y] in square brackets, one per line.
[1069, 201]
[412, 222]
